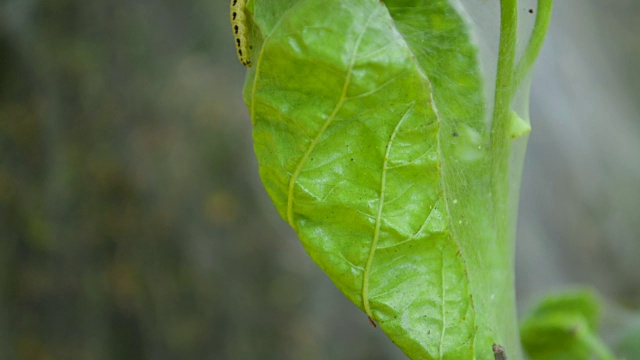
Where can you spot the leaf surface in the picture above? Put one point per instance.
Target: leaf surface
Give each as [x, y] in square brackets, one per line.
[370, 134]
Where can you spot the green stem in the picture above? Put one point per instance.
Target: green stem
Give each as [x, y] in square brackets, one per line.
[539, 32]
[500, 139]
[504, 79]
[508, 77]
[503, 312]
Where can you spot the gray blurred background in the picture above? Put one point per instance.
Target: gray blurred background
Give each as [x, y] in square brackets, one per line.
[133, 224]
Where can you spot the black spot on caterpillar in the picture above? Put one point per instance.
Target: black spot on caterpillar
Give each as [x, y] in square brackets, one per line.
[240, 31]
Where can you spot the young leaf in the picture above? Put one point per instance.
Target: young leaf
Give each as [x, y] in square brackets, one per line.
[564, 326]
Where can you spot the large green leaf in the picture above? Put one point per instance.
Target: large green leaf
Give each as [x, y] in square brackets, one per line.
[370, 132]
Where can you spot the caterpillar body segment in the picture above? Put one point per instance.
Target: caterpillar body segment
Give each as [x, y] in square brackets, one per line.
[240, 31]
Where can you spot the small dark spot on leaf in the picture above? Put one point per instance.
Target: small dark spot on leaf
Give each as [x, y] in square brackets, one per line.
[351, 159]
[455, 134]
[530, 11]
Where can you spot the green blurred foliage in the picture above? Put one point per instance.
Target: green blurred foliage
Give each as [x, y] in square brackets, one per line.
[564, 325]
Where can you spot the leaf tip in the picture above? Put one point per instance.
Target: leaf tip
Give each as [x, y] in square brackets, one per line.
[373, 323]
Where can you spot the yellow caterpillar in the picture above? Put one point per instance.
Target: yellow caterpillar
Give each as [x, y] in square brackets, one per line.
[240, 31]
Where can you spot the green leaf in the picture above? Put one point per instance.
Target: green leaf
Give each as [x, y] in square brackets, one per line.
[371, 137]
[564, 326]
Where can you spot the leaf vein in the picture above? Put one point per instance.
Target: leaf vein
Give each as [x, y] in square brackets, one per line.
[341, 100]
[376, 233]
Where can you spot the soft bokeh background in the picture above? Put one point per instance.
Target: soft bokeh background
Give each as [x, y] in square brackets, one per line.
[133, 224]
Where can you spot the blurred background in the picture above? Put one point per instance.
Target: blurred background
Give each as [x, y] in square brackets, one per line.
[133, 224]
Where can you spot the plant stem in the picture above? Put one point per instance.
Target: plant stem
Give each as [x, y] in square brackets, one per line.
[500, 139]
[508, 78]
[503, 311]
[539, 32]
[504, 76]
[504, 81]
